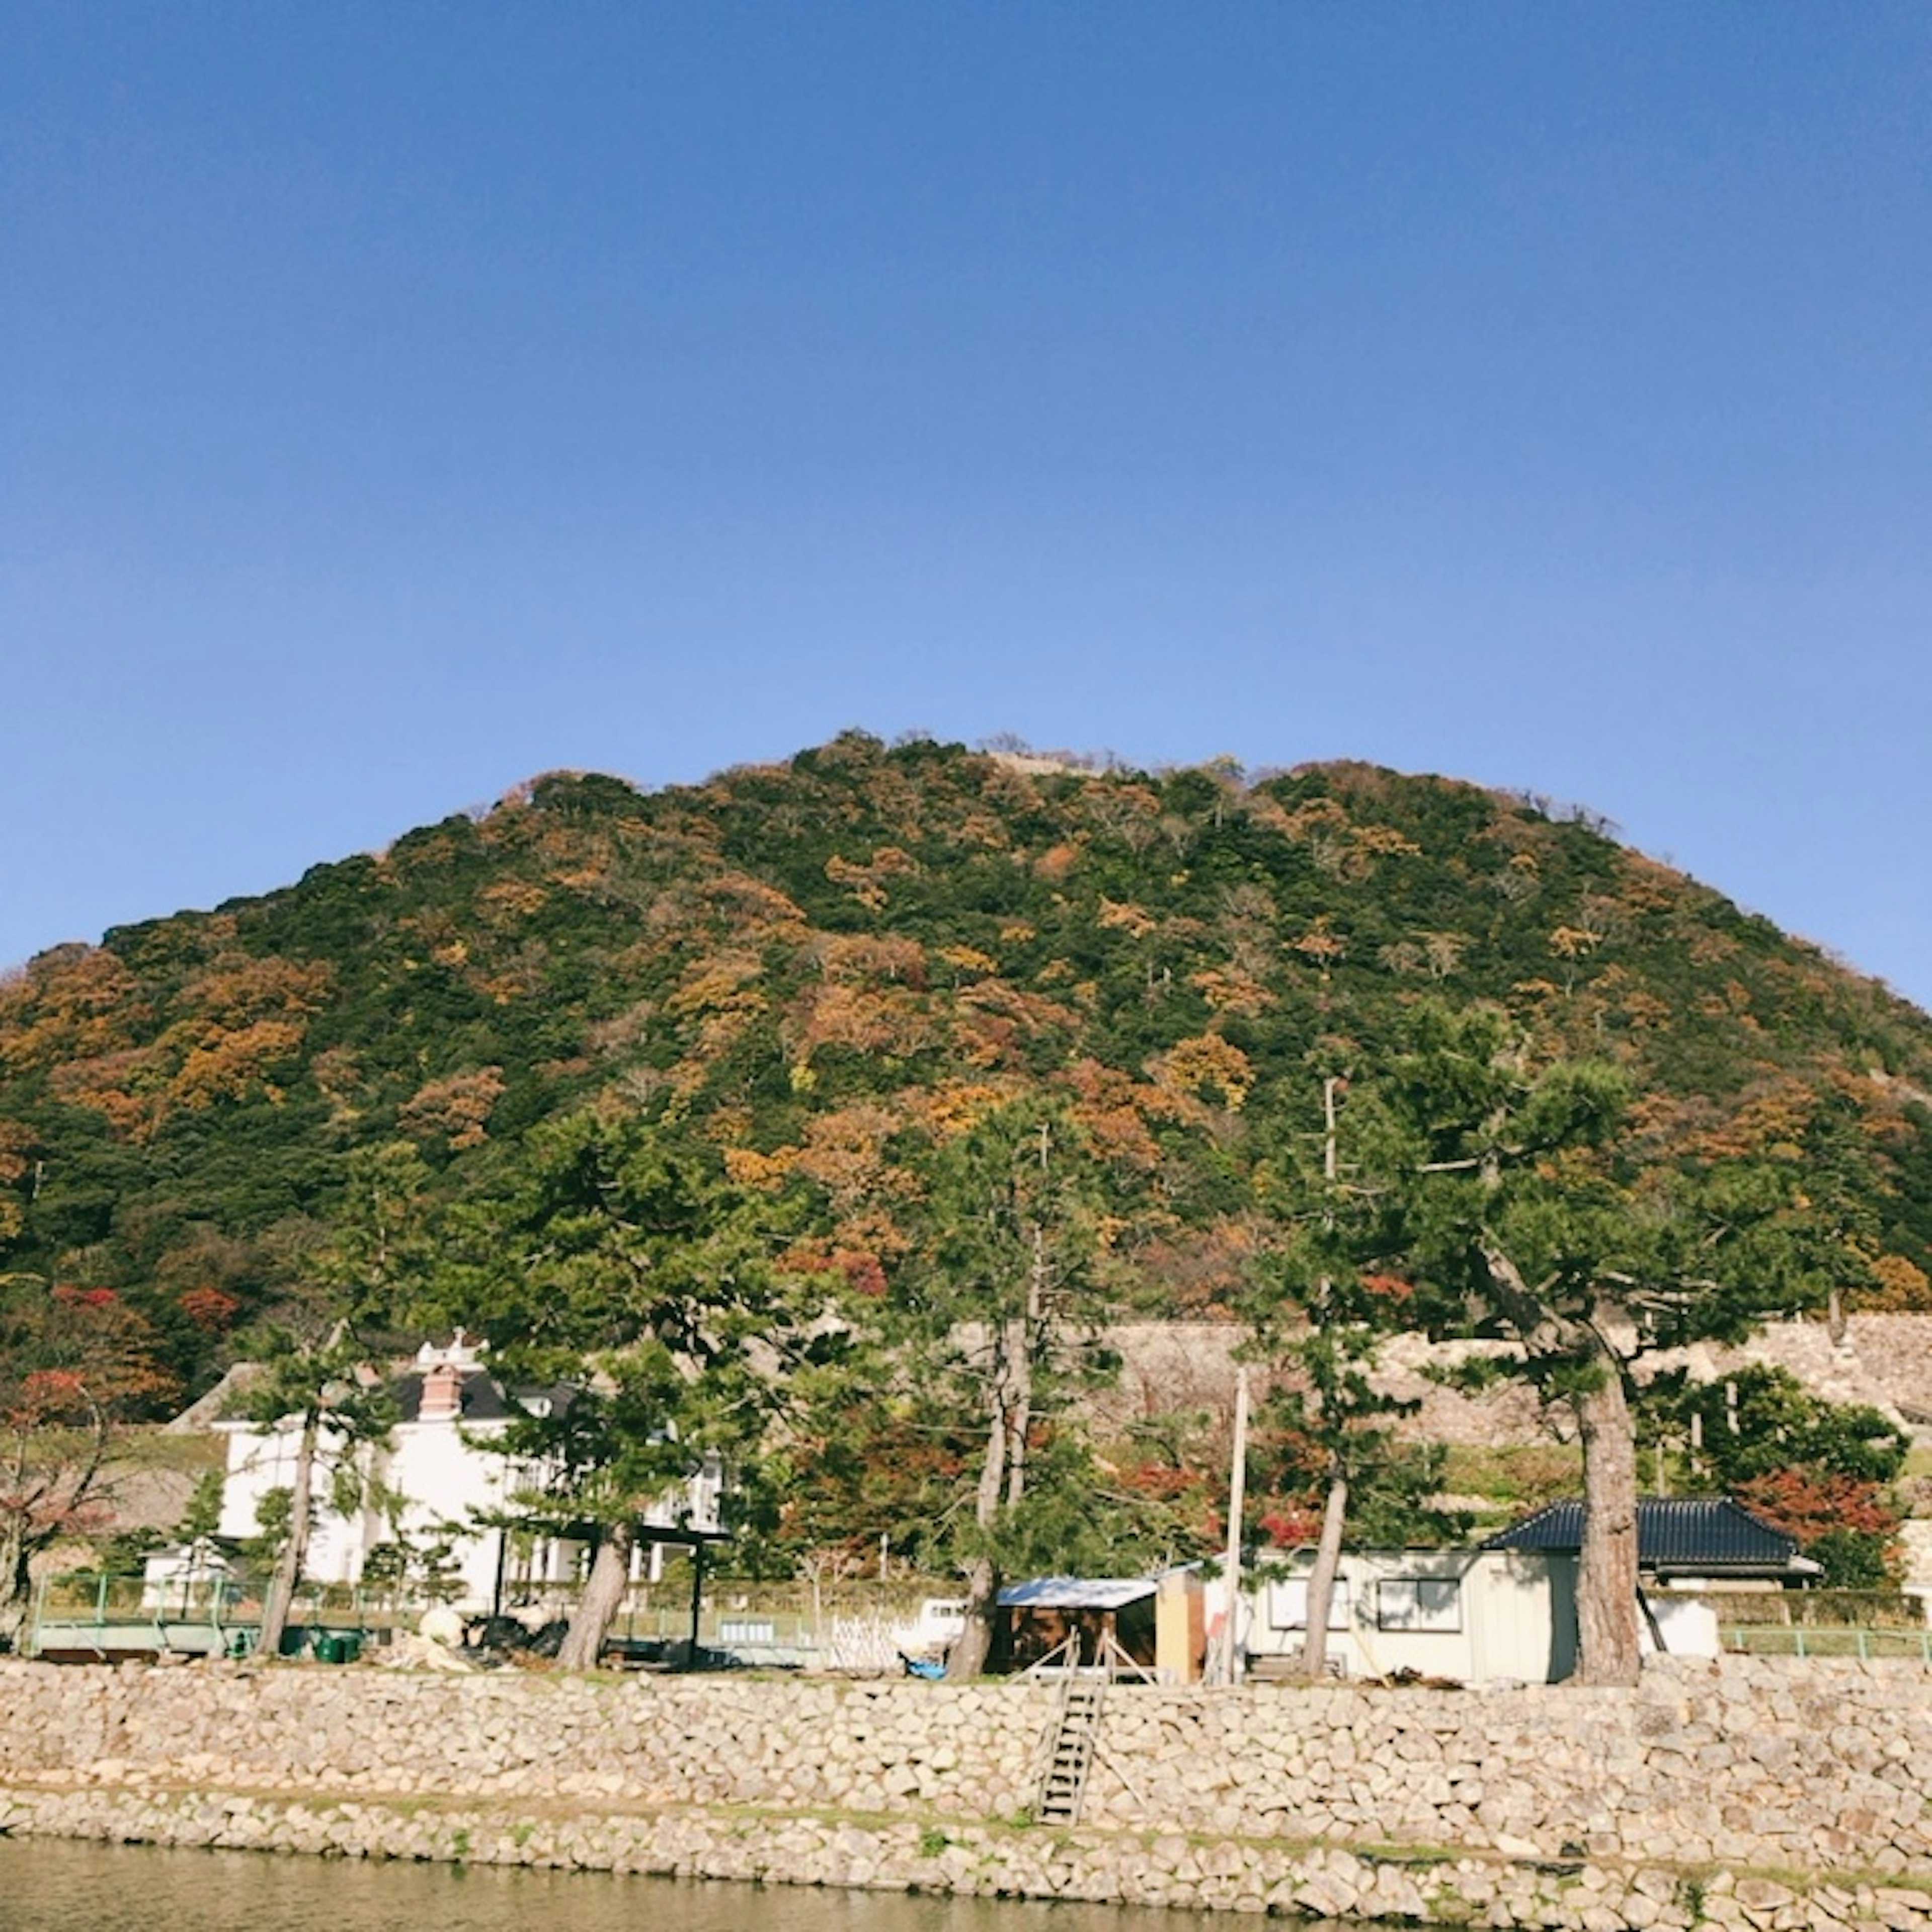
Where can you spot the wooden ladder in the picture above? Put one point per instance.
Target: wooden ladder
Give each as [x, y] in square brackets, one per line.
[1064, 1783]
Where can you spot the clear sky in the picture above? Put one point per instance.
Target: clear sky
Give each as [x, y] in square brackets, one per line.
[397, 401]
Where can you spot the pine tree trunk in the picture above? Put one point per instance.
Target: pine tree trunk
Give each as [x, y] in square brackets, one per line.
[16, 1584]
[295, 1550]
[967, 1657]
[603, 1592]
[1607, 1574]
[1321, 1578]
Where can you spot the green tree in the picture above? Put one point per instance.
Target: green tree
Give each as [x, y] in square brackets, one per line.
[318, 1384]
[620, 1271]
[1000, 1313]
[1817, 1468]
[1318, 1309]
[1518, 1192]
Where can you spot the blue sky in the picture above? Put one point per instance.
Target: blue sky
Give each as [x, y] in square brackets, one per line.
[396, 401]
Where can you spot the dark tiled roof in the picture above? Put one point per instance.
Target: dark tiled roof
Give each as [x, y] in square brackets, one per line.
[1673, 1533]
[483, 1400]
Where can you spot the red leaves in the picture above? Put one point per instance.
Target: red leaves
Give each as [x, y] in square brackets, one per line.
[209, 1309]
[1808, 1503]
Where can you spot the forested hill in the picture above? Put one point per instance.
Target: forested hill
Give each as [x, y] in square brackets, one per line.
[821, 969]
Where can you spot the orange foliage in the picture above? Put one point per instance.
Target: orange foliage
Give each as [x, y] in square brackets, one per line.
[863, 956]
[867, 882]
[954, 1107]
[1122, 915]
[212, 1308]
[457, 1108]
[844, 1154]
[765, 1172]
[864, 1020]
[1113, 1107]
[1229, 990]
[73, 1003]
[1902, 1287]
[513, 898]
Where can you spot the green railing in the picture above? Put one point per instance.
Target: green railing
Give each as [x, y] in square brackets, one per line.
[1799, 1639]
[110, 1615]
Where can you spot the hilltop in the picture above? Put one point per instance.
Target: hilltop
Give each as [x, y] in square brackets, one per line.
[824, 968]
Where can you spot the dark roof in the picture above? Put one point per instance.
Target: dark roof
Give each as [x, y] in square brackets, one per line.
[482, 1395]
[1673, 1533]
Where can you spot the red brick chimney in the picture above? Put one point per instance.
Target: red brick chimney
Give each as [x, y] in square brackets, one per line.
[442, 1394]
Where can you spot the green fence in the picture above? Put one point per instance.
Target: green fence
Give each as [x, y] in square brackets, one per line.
[1801, 1639]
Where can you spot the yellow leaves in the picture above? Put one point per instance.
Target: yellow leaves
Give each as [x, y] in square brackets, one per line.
[1384, 841]
[228, 1065]
[239, 1018]
[1711, 948]
[756, 910]
[1772, 1122]
[1646, 1013]
[1343, 849]
[1206, 1063]
[969, 959]
[512, 898]
[765, 1172]
[1317, 815]
[1057, 861]
[954, 1107]
[1113, 1108]
[1123, 916]
[994, 1021]
[1574, 942]
[1229, 990]
[984, 829]
[867, 882]
[17, 1141]
[1017, 932]
[718, 983]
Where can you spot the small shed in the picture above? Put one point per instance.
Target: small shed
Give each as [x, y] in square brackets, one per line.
[1151, 1626]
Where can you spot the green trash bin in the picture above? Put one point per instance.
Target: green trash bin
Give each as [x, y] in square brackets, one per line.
[351, 1644]
[328, 1648]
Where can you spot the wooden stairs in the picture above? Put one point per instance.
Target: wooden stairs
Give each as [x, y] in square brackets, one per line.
[1064, 1784]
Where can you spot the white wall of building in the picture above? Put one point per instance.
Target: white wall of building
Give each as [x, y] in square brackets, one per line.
[428, 1482]
[1477, 1616]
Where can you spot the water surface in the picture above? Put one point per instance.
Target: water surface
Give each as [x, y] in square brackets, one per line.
[53, 1885]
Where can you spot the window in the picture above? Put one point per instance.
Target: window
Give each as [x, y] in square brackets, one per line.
[1419, 1603]
[1288, 1604]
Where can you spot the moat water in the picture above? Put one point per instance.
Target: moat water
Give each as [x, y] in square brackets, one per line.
[62, 1886]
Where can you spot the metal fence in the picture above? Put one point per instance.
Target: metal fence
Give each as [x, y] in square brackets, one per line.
[1799, 1639]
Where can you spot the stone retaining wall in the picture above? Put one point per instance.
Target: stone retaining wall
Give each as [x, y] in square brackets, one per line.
[1770, 1793]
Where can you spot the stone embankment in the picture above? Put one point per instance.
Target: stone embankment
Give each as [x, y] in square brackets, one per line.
[1769, 1795]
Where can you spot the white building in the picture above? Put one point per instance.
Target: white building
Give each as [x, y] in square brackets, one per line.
[436, 1479]
[1476, 1616]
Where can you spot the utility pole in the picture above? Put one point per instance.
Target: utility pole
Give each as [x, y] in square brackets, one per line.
[1230, 1666]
